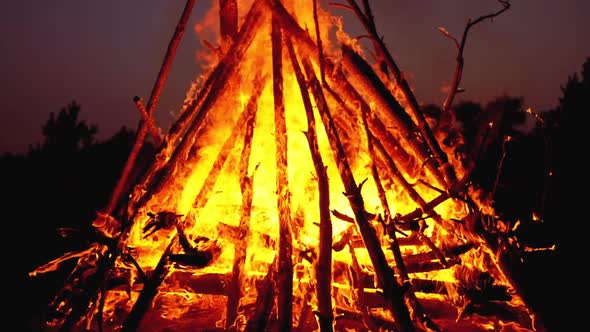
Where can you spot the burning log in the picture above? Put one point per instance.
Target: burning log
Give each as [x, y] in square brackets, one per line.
[388, 65]
[228, 145]
[324, 264]
[150, 289]
[235, 292]
[392, 290]
[285, 264]
[264, 301]
[367, 80]
[153, 101]
[219, 78]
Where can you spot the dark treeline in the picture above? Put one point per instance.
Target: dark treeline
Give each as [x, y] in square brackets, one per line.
[521, 163]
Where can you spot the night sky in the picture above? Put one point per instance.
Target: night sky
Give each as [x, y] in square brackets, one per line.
[102, 53]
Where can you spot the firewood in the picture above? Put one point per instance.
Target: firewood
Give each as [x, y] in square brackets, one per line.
[393, 291]
[211, 179]
[285, 264]
[323, 268]
[197, 112]
[149, 291]
[386, 60]
[235, 290]
[259, 319]
[388, 107]
[153, 101]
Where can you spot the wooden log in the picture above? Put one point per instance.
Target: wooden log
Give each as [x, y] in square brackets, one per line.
[285, 273]
[385, 58]
[388, 107]
[323, 267]
[267, 290]
[392, 289]
[246, 115]
[235, 291]
[150, 289]
[152, 102]
[216, 85]
[228, 20]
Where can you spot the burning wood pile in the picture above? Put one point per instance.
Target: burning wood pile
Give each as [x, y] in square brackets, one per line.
[301, 188]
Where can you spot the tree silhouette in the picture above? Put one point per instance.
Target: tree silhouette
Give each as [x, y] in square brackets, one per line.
[66, 133]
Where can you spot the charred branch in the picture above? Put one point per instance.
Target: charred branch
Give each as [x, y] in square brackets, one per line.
[150, 289]
[285, 264]
[323, 267]
[392, 290]
[198, 110]
[388, 65]
[235, 291]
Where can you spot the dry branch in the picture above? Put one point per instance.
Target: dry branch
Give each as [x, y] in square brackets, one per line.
[285, 274]
[323, 267]
[235, 287]
[385, 60]
[461, 47]
[392, 290]
[153, 101]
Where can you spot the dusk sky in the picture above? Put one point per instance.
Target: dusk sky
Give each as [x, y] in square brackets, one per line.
[103, 53]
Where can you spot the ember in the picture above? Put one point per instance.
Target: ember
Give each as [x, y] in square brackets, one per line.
[300, 188]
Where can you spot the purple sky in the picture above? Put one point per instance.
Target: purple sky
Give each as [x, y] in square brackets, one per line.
[102, 53]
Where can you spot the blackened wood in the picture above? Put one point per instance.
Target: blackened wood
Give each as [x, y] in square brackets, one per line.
[267, 290]
[153, 101]
[323, 267]
[392, 290]
[219, 83]
[237, 130]
[285, 273]
[235, 291]
[149, 291]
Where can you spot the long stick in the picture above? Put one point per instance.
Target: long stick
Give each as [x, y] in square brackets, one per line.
[385, 57]
[153, 101]
[323, 268]
[285, 282]
[392, 290]
[226, 68]
[150, 289]
[235, 288]
[228, 145]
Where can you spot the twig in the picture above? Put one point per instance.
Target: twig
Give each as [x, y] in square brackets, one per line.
[500, 165]
[461, 47]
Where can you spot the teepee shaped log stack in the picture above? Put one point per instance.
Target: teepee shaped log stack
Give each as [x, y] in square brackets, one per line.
[301, 188]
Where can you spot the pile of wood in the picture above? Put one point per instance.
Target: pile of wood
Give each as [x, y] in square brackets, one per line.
[389, 291]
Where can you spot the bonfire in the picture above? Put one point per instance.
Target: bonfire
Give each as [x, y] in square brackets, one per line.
[300, 188]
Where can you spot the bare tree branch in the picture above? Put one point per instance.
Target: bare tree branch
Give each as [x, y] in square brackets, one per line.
[461, 47]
